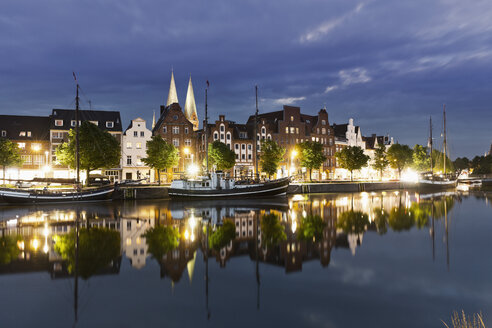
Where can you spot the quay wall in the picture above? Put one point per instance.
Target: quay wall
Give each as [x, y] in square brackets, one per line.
[134, 192]
[306, 188]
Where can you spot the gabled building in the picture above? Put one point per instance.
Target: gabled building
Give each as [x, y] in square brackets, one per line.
[32, 136]
[134, 149]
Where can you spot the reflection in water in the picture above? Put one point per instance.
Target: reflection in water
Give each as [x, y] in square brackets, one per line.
[271, 232]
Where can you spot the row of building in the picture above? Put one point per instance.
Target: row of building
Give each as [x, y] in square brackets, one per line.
[39, 136]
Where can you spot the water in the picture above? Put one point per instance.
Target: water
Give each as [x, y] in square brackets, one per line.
[370, 259]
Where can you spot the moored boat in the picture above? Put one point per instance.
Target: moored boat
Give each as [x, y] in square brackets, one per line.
[44, 196]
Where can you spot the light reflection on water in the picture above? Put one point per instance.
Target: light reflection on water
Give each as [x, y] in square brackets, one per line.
[281, 233]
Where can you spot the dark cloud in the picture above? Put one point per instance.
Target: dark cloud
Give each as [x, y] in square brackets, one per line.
[388, 64]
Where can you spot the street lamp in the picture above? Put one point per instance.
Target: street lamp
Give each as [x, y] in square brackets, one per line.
[293, 155]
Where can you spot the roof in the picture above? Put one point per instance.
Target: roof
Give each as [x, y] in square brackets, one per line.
[67, 115]
[39, 126]
[131, 124]
[340, 130]
[271, 117]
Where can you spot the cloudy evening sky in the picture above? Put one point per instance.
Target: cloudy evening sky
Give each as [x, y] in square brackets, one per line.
[388, 64]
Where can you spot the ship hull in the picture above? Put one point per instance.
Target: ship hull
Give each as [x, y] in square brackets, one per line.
[29, 197]
[274, 188]
[430, 185]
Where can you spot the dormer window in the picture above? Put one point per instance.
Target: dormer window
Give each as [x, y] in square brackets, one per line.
[28, 133]
[22, 134]
[292, 118]
[58, 122]
[109, 124]
[95, 122]
[4, 133]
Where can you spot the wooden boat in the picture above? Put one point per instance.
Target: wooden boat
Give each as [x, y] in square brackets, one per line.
[42, 196]
[218, 186]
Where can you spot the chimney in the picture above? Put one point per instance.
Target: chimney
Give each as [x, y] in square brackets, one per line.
[221, 118]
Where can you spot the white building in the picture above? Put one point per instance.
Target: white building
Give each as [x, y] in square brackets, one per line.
[134, 243]
[133, 150]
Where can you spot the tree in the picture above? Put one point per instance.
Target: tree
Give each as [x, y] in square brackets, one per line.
[9, 155]
[399, 156]
[97, 149]
[400, 218]
[220, 155]
[160, 240]
[353, 221]
[380, 160]
[272, 230]
[271, 156]
[8, 248]
[352, 158]
[97, 248]
[420, 159]
[462, 163]
[223, 235]
[311, 155]
[482, 164]
[161, 155]
[438, 161]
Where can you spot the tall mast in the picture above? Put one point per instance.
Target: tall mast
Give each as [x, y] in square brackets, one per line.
[430, 145]
[256, 135]
[205, 128]
[77, 157]
[444, 144]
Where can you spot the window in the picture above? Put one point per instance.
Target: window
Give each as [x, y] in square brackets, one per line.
[129, 145]
[138, 145]
[186, 130]
[249, 147]
[249, 156]
[57, 135]
[109, 124]
[221, 136]
[243, 156]
[128, 225]
[22, 145]
[292, 130]
[58, 122]
[26, 159]
[129, 160]
[142, 134]
[38, 159]
[22, 134]
[236, 146]
[243, 146]
[175, 129]
[135, 133]
[286, 129]
[175, 117]
[323, 131]
[216, 135]
[28, 133]
[228, 136]
[222, 128]
[297, 130]
[317, 130]
[176, 142]
[95, 122]
[164, 129]
[263, 130]
[187, 142]
[4, 133]
[292, 118]
[72, 123]
[323, 122]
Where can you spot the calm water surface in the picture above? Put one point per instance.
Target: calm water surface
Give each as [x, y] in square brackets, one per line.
[369, 259]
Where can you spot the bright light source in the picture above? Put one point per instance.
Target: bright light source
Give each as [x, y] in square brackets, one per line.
[193, 169]
[187, 235]
[186, 150]
[293, 154]
[409, 176]
[36, 147]
[35, 244]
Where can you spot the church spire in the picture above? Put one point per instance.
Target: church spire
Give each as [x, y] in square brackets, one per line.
[190, 107]
[153, 121]
[173, 95]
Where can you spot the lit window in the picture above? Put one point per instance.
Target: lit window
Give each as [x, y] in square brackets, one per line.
[292, 118]
[58, 122]
[138, 145]
[22, 145]
[323, 131]
[109, 124]
[286, 129]
[186, 130]
[292, 130]
[22, 134]
[129, 145]
[128, 241]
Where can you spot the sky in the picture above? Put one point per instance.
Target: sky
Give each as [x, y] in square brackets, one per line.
[390, 65]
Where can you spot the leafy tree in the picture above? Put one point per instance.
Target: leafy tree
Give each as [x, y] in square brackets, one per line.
[462, 163]
[160, 240]
[9, 155]
[421, 212]
[381, 220]
[8, 249]
[220, 155]
[97, 149]
[223, 235]
[421, 161]
[380, 160]
[161, 155]
[352, 158]
[311, 155]
[399, 156]
[482, 164]
[98, 247]
[271, 156]
[353, 221]
[311, 227]
[401, 219]
[272, 230]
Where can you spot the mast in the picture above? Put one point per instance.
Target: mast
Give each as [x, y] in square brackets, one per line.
[77, 157]
[256, 135]
[205, 128]
[430, 145]
[444, 144]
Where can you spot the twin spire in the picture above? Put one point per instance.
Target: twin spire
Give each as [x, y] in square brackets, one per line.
[190, 105]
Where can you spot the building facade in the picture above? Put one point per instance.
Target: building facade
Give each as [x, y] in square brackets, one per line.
[134, 149]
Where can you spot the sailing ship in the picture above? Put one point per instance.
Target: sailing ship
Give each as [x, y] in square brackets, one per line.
[218, 185]
[430, 181]
[46, 196]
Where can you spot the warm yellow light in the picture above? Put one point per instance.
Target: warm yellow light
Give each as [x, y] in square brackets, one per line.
[187, 235]
[293, 227]
[186, 150]
[20, 244]
[193, 169]
[409, 176]
[35, 244]
[46, 231]
[192, 222]
[36, 147]
[192, 238]
[45, 247]
[293, 154]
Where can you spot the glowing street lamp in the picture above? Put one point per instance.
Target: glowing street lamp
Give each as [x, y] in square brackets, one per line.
[293, 155]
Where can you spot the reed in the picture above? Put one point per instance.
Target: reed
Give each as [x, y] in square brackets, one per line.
[464, 321]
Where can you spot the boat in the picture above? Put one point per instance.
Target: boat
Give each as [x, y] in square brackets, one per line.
[218, 186]
[31, 196]
[430, 181]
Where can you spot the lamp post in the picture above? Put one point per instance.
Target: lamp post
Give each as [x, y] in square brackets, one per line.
[293, 155]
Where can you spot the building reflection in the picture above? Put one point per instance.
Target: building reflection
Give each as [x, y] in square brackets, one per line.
[27, 234]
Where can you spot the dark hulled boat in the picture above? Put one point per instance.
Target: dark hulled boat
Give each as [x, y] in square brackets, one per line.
[42, 196]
